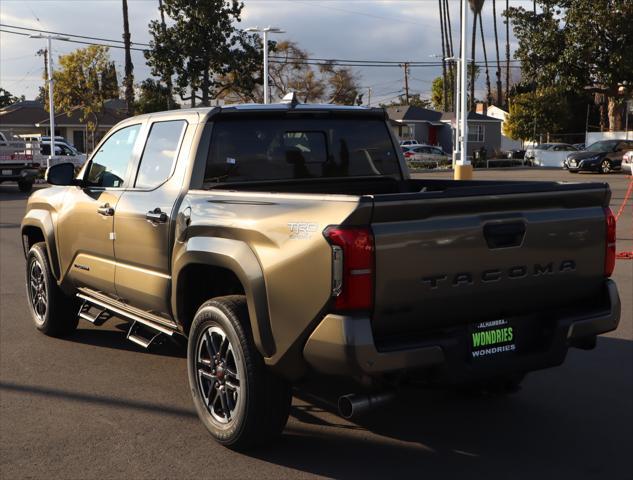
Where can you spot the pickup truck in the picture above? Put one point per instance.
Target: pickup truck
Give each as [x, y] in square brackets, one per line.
[287, 241]
[17, 163]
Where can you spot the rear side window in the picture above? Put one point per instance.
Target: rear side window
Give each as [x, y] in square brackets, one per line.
[249, 148]
[109, 165]
[160, 153]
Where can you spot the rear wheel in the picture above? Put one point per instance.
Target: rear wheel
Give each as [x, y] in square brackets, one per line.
[25, 186]
[605, 166]
[53, 312]
[239, 401]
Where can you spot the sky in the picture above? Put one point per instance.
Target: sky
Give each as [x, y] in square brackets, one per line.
[394, 30]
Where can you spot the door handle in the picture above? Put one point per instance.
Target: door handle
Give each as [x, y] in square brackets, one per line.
[106, 210]
[156, 216]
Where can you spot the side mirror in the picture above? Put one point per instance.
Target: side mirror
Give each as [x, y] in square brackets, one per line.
[61, 174]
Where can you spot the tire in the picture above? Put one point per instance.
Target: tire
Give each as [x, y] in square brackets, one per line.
[53, 312]
[25, 187]
[251, 405]
[605, 166]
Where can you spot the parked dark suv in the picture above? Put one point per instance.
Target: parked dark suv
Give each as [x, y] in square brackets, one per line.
[603, 157]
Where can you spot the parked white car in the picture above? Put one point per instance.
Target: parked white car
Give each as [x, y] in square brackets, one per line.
[549, 154]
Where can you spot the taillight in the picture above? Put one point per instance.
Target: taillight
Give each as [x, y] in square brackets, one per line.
[408, 154]
[352, 267]
[609, 259]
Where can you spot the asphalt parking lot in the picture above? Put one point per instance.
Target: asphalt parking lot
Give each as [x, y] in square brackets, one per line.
[96, 406]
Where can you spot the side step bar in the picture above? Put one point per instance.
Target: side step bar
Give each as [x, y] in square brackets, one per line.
[142, 335]
[143, 331]
[96, 318]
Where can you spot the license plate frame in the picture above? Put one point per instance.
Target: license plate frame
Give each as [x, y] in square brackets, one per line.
[492, 339]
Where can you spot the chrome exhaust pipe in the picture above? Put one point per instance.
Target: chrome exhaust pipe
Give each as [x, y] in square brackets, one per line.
[354, 405]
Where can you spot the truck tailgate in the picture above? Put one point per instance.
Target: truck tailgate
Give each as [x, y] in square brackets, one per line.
[479, 253]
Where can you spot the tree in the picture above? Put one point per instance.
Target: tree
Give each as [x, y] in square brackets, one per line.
[547, 111]
[77, 85]
[128, 80]
[154, 97]
[483, 45]
[7, 99]
[110, 81]
[437, 90]
[289, 71]
[203, 49]
[415, 100]
[507, 23]
[579, 45]
[445, 81]
[498, 72]
[475, 6]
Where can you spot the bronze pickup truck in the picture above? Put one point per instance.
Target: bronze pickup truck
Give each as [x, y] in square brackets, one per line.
[289, 240]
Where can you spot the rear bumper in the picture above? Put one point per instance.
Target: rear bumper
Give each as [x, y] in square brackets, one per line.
[344, 345]
[18, 174]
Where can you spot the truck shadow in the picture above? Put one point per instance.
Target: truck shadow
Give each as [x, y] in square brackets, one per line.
[571, 420]
[115, 339]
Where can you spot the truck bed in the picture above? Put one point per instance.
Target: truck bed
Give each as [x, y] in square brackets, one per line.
[450, 253]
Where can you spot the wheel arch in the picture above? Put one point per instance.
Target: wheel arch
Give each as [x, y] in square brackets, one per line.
[37, 226]
[234, 269]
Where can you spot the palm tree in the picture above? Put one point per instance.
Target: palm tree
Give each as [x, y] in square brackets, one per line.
[449, 49]
[475, 7]
[483, 44]
[507, 54]
[129, 78]
[498, 73]
[164, 30]
[444, 78]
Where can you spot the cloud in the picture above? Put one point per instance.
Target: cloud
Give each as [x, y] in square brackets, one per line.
[366, 30]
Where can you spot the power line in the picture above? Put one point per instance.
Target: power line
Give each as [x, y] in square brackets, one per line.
[71, 35]
[273, 59]
[73, 41]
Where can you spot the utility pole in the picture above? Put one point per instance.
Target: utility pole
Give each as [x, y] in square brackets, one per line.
[369, 96]
[405, 66]
[129, 78]
[51, 103]
[44, 51]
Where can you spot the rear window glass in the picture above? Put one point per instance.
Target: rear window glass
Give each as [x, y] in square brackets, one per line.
[160, 153]
[253, 149]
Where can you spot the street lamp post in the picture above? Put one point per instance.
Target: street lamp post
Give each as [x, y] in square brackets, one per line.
[51, 105]
[463, 168]
[265, 31]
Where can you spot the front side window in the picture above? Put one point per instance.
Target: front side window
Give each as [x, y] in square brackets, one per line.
[109, 165]
[280, 148]
[159, 155]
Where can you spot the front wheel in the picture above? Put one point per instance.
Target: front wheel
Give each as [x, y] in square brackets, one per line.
[605, 166]
[238, 400]
[53, 312]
